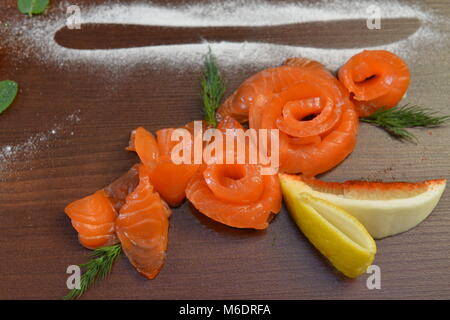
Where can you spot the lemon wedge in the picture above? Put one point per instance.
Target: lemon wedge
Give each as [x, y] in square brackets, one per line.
[336, 234]
[385, 209]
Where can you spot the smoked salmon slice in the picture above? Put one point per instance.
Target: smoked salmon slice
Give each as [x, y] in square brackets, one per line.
[168, 178]
[212, 191]
[119, 189]
[316, 120]
[93, 217]
[375, 79]
[259, 88]
[142, 227]
[235, 194]
[145, 145]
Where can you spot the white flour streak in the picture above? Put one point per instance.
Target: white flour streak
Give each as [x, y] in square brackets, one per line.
[34, 144]
[24, 151]
[37, 35]
[241, 13]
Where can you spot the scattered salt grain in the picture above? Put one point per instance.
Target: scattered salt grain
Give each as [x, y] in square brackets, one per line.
[26, 149]
[32, 146]
[74, 117]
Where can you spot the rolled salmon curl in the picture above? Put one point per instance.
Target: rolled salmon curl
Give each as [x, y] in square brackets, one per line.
[93, 217]
[258, 89]
[168, 178]
[142, 227]
[375, 79]
[317, 122]
[232, 131]
[237, 195]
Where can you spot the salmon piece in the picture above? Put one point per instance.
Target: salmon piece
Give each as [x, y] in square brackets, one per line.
[375, 79]
[259, 88]
[229, 127]
[145, 145]
[305, 63]
[213, 192]
[316, 120]
[119, 189]
[323, 155]
[93, 217]
[142, 227]
[237, 195]
[168, 178]
[229, 123]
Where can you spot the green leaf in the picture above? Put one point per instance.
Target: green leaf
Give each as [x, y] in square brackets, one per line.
[8, 92]
[31, 7]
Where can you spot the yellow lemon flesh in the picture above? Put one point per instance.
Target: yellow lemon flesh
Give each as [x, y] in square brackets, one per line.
[385, 209]
[336, 234]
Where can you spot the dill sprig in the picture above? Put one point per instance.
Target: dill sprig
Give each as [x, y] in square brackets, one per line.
[213, 89]
[96, 269]
[397, 119]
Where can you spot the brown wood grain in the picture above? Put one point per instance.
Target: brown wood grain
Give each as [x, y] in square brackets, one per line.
[297, 34]
[205, 260]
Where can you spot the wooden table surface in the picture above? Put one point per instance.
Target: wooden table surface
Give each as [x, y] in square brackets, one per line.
[205, 260]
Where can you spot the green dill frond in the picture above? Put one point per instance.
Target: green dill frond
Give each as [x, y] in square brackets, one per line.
[213, 88]
[397, 119]
[96, 269]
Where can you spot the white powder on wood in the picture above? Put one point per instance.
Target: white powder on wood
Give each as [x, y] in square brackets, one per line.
[30, 148]
[242, 13]
[37, 36]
